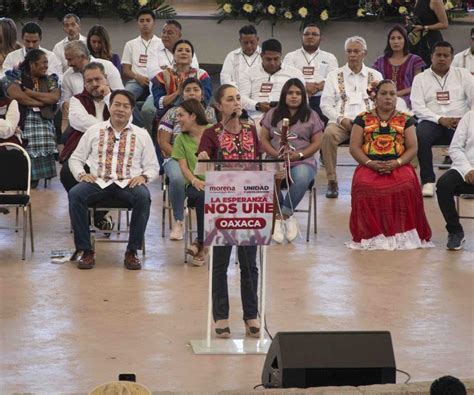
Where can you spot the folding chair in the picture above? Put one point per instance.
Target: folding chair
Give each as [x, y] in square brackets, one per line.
[458, 206]
[15, 186]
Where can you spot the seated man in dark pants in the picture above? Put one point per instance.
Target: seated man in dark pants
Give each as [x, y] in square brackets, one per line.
[440, 96]
[122, 159]
[458, 180]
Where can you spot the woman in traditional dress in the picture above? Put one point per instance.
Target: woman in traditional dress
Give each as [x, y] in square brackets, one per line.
[397, 64]
[37, 94]
[387, 205]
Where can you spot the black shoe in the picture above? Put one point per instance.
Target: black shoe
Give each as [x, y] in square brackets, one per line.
[333, 190]
[105, 224]
[446, 164]
[34, 184]
[455, 241]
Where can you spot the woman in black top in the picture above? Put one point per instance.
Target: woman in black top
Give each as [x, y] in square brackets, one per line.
[429, 17]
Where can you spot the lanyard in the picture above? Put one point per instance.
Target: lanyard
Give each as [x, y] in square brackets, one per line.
[167, 57]
[311, 60]
[146, 46]
[439, 83]
[251, 63]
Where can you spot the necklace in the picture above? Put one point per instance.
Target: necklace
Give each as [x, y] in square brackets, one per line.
[384, 122]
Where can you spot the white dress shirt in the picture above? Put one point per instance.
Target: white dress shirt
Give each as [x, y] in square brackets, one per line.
[236, 64]
[465, 60]
[9, 119]
[261, 86]
[138, 52]
[427, 89]
[59, 50]
[14, 59]
[80, 119]
[137, 158]
[315, 67]
[461, 149]
[73, 81]
[160, 59]
[349, 98]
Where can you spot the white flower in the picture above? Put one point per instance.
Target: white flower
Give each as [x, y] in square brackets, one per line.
[142, 3]
[448, 5]
[271, 9]
[324, 15]
[389, 2]
[303, 11]
[248, 8]
[360, 12]
[288, 15]
[402, 10]
[227, 8]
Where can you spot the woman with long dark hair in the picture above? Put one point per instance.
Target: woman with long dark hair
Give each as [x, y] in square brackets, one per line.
[37, 93]
[398, 64]
[306, 127]
[98, 43]
[229, 139]
[8, 39]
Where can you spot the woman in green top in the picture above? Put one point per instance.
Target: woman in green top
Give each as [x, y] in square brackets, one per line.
[192, 119]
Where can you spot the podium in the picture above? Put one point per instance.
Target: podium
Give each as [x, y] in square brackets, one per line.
[238, 212]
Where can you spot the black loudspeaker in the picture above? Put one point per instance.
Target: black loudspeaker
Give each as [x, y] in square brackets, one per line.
[319, 359]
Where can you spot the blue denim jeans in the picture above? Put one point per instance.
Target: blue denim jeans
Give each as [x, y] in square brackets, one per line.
[177, 188]
[137, 90]
[148, 113]
[302, 176]
[83, 194]
[248, 282]
[196, 200]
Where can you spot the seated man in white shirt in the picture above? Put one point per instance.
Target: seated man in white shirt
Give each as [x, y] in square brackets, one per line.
[242, 60]
[458, 180]
[72, 28]
[159, 60]
[85, 110]
[122, 159]
[260, 90]
[465, 59]
[78, 57]
[31, 35]
[344, 97]
[440, 96]
[314, 63]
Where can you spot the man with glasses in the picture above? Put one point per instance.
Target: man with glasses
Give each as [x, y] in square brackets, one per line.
[465, 59]
[122, 160]
[344, 97]
[314, 63]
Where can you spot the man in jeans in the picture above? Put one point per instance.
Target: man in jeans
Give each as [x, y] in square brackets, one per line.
[122, 160]
[458, 180]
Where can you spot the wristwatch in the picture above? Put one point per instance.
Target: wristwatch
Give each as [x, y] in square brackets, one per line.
[301, 155]
[426, 28]
[145, 177]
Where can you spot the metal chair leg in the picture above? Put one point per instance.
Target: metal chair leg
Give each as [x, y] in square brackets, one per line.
[186, 231]
[24, 232]
[31, 228]
[315, 212]
[308, 225]
[16, 219]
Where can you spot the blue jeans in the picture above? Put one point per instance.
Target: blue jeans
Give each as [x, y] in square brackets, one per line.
[148, 113]
[85, 193]
[134, 87]
[248, 281]
[196, 200]
[177, 188]
[302, 176]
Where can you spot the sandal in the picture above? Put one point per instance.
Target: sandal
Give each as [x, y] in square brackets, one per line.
[200, 258]
[194, 248]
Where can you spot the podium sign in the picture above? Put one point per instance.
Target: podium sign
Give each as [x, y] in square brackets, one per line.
[238, 208]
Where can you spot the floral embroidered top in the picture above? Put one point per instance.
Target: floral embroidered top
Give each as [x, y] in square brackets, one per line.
[384, 142]
[220, 143]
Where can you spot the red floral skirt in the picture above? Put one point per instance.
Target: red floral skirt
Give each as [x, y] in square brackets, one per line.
[387, 206]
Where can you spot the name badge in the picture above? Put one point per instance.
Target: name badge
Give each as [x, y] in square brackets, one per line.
[142, 59]
[36, 109]
[308, 71]
[442, 97]
[266, 87]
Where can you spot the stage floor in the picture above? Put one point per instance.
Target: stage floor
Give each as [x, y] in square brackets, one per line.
[66, 330]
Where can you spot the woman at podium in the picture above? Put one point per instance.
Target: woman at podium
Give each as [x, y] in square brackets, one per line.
[231, 139]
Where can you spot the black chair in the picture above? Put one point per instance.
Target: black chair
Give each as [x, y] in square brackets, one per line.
[458, 206]
[165, 183]
[111, 205]
[15, 180]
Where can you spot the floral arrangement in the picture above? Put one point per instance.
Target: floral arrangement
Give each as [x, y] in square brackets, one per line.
[125, 9]
[307, 11]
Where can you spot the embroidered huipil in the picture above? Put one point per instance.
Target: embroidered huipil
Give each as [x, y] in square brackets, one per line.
[115, 157]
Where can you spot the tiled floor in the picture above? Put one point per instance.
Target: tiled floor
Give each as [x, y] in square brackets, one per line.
[65, 330]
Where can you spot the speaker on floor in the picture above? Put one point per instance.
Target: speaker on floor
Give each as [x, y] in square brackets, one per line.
[319, 359]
